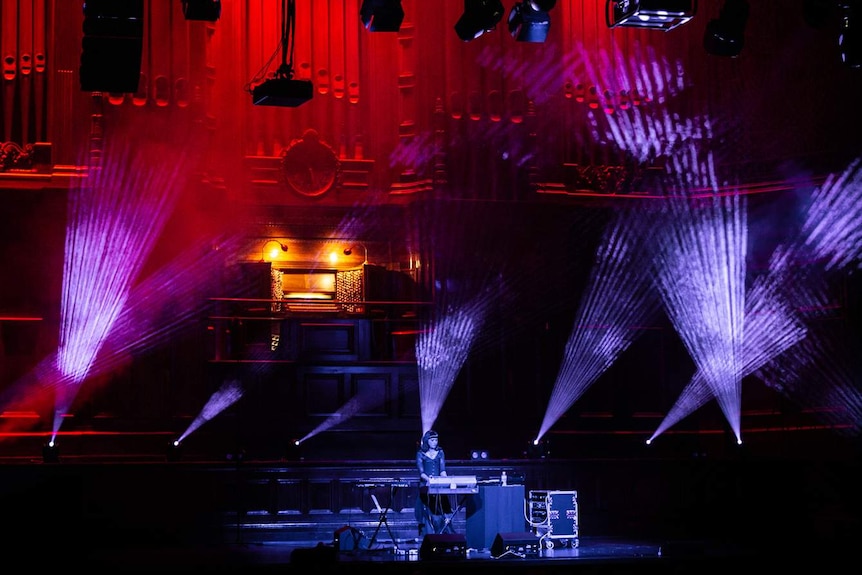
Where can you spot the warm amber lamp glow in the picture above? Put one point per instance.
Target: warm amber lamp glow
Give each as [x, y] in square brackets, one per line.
[272, 249]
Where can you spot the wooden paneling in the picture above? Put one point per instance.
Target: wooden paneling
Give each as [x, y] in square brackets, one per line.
[289, 496]
[321, 496]
[479, 115]
[324, 393]
[333, 341]
[374, 391]
[259, 496]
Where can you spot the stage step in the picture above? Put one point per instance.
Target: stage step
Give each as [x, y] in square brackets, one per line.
[403, 528]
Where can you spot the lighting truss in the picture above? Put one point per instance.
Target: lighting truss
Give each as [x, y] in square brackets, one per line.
[653, 14]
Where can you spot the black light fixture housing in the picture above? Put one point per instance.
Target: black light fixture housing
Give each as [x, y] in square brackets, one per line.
[204, 10]
[725, 35]
[294, 451]
[174, 451]
[530, 21]
[538, 449]
[661, 15]
[479, 16]
[382, 15]
[282, 89]
[849, 42]
[237, 456]
[112, 46]
[50, 453]
[482, 454]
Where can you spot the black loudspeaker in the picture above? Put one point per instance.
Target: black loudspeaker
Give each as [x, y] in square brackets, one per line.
[515, 544]
[112, 46]
[443, 546]
[495, 509]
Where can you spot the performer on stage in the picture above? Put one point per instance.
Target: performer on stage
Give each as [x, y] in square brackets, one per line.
[432, 510]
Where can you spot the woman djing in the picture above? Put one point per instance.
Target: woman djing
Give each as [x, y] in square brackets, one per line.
[432, 510]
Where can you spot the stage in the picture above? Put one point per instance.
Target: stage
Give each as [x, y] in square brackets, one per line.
[636, 516]
[592, 555]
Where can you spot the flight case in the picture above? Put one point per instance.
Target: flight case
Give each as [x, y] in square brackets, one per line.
[553, 516]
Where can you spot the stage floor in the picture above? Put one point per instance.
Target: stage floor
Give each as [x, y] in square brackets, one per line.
[592, 555]
[145, 517]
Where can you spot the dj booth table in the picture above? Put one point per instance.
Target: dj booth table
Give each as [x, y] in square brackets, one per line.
[494, 509]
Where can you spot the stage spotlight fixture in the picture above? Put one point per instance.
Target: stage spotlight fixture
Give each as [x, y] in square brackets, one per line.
[50, 453]
[479, 16]
[530, 21]
[206, 10]
[282, 89]
[294, 451]
[538, 449]
[174, 452]
[479, 454]
[725, 35]
[382, 15]
[235, 456]
[654, 14]
[849, 42]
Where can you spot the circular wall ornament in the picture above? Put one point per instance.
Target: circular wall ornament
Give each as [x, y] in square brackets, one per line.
[309, 167]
